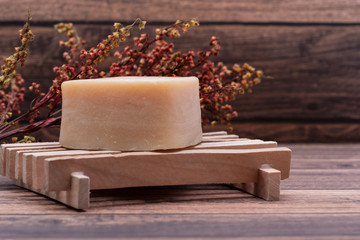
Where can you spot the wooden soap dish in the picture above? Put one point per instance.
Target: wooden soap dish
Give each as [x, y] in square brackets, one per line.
[64, 175]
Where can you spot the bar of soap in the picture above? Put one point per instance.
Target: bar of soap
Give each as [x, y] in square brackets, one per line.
[131, 113]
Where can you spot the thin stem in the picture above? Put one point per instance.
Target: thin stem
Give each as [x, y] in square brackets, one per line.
[38, 105]
[31, 128]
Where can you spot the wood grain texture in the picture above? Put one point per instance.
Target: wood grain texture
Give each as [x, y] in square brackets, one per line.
[259, 11]
[319, 201]
[37, 162]
[170, 168]
[267, 185]
[309, 62]
[310, 48]
[196, 199]
[11, 158]
[229, 160]
[166, 226]
[29, 163]
[331, 179]
[311, 156]
[314, 68]
[19, 161]
[284, 131]
[80, 191]
[5, 152]
[293, 131]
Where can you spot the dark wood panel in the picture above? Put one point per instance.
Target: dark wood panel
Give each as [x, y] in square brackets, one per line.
[323, 11]
[314, 69]
[296, 131]
[283, 132]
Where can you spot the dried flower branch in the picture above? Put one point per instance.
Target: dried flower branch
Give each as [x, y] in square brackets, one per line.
[8, 69]
[145, 56]
[73, 43]
[12, 82]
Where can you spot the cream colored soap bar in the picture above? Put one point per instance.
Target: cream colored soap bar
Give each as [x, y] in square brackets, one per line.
[131, 113]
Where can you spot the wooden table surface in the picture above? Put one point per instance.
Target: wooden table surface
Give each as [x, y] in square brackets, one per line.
[320, 200]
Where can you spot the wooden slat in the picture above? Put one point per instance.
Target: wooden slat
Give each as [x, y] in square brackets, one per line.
[224, 140]
[323, 11]
[19, 160]
[8, 152]
[172, 168]
[218, 133]
[221, 137]
[36, 160]
[242, 144]
[11, 158]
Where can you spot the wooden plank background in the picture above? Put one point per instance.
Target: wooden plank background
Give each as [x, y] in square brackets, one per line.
[310, 48]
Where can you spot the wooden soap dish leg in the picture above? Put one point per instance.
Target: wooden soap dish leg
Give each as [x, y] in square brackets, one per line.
[78, 196]
[267, 186]
[80, 191]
